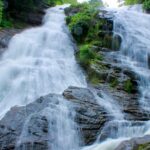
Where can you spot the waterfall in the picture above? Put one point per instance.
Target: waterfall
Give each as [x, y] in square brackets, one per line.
[41, 60]
[135, 55]
[37, 62]
[135, 49]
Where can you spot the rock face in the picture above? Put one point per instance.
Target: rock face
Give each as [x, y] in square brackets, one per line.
[142, 143]
[11, 126]
[6, 35]
[89, 115]
[30, 12]
[26, 127]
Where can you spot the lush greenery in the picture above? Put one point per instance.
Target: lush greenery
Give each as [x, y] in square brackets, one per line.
[146, 3]
[1, 10]
[131, 2]
[144, 146]
[84, 26]
[14, 8]
[90, 34]
[93, 36]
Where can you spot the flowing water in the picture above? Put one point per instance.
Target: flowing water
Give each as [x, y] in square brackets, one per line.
[133, 26]
[135, 50]
[41, 60]
[37, 62]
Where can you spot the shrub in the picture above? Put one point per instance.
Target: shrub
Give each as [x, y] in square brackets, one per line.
[87, 55]
[1, 10]
[131, 2]
[146, 5]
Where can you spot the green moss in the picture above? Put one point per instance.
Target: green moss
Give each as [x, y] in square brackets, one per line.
[114, 83]
[132, 2]
[1, 10]
[86, 55]
[95, 80]
[144, 147]
[146, 5]
[128, 86]
[82, 24]
[85, 25]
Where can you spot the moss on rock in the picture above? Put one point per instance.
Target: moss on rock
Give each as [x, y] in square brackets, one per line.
[144, 147]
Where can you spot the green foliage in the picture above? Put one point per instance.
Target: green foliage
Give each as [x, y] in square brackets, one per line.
[114, 83]
[81, 23]
[144, 146]
[94, 79]
[72, 2]
[128, 86]
[86, 55]
[131, 2]
[146, 5]
[79, 26]
[1, 10]
[21, 8]
[6, 23]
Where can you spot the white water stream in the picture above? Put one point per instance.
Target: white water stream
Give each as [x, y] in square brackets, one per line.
[37, 62]
[133, 26]
[41, 60]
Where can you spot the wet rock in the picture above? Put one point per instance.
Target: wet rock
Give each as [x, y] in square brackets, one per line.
[34, 18]
[129, 103]
[25, 12]
[142, 143]
[116, 43]
[28, 126]
[104, 14]
[69, 11]
[90, 116]
[29, 119]
[6, 35]
[115, 128]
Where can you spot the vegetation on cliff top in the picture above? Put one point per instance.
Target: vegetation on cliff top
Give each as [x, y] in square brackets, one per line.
[13, 13]
[84, 25]
[94, 35]
[146, 3]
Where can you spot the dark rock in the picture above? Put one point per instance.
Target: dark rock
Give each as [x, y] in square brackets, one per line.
[113, 129]
[35, 18]
[90, 116]
[28, 126]
[69, 11]
[6, 35]
[116, 44]
[128, 103]
[141, 143]
[31, 13]
[31, 120]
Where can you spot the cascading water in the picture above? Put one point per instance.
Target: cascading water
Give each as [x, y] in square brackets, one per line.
[135, 48]
[37, 62]
[41, 61]
[134, 54]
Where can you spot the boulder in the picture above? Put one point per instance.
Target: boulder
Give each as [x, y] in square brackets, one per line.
[28, 126]
[6, 35]
[141, 143]
[90, 116]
